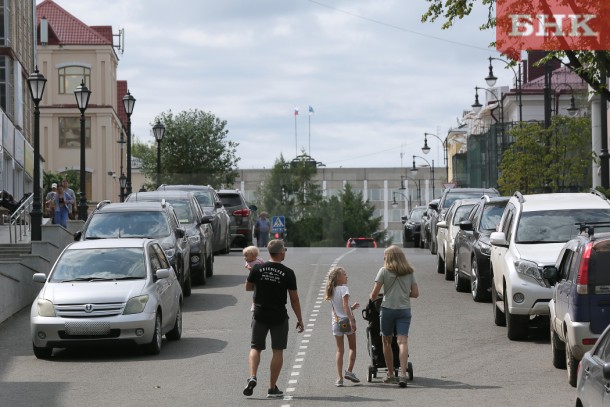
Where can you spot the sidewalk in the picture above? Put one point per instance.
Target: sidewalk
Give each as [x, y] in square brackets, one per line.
[5, 235]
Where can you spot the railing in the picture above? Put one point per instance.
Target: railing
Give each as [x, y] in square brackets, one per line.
[20, 222]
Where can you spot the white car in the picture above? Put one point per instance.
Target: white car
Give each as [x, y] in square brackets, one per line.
[531, 233]
[107, 290]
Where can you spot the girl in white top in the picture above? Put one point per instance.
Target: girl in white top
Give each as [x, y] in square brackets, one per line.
[338, 294]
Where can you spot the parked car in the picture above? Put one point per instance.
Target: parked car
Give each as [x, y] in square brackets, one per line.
[196, 224]
[531, 234]
[594, 374]
[426, 236]
[107, 290]
[472, 247]
[242, 216]
[445, 201]
[361, 242]
[411, 230]
[447, 230]
[580, 306]
[155, 220]
[210, 203]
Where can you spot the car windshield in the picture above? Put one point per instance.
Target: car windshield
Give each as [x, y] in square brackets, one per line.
[416, 214]
[99, 265]
[204, 198]
[462, 213]
[451, 198]
[491, 216]
[556, 226]
[151, 224]
[183, 210]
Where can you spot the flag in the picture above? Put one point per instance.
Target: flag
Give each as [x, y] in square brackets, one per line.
[311, 110]
[296, 111]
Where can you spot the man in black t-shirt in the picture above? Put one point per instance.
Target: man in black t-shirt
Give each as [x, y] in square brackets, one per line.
[274, 283]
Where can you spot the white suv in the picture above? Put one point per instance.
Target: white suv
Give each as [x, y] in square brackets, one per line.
[531, 233]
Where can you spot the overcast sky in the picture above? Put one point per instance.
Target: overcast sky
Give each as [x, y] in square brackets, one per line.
[376, 77]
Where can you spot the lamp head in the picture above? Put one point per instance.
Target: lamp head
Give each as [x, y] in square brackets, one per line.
[476, 106]
[572, 110]
[36, 84]
[491, 78]
[128, 103]
[82, 94]
[123, 181]
[159, 131]
[425, 149]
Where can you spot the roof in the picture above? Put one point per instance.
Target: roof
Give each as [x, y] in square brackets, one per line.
[160, 194]
[107, 243]
[561, 76]
[65, 29]
[558, 201]
[189, 187]
[132, 206]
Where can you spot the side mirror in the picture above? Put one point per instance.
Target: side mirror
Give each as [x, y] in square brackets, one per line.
[162, 273]
[442, 224]
[253, 208]
[606, 371]
[498, 239]
[433, 205]
[465, 225]
[39, 278]
[78, 235]
[550, 273]
[404, 219]
[207, 219]
[180, 233]
[218, 204]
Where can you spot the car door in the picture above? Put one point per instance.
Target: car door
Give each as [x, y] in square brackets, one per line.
[442, 233]
[563, 288]
[464, 241]
[162, 285]
[498, 253]
[595, 390]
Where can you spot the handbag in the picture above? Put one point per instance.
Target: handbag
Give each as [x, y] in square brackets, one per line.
[344, 325]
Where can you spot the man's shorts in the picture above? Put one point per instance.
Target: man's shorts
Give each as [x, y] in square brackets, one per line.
[279, 335]
[399, 319]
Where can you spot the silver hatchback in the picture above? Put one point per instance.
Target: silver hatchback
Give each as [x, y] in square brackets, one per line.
[107, 290]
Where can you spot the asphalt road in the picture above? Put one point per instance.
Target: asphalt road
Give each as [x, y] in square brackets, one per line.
[460, 358]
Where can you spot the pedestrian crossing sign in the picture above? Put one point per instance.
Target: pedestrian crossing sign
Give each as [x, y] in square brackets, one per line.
[278, 224]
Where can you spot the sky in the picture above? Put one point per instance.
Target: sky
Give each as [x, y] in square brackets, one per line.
[376, 77]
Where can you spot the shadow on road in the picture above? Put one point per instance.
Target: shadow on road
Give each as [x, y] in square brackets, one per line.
[225, 280]
[203, 301]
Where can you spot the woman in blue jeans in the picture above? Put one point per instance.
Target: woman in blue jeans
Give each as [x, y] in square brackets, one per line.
[399, 286]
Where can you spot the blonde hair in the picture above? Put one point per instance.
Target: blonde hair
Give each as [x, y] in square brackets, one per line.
[250, 250]
[395, 261]
[331, 282]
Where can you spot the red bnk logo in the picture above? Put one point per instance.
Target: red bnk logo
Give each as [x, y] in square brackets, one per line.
[551, 25]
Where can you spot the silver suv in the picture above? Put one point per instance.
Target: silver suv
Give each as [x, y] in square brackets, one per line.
[531, 233]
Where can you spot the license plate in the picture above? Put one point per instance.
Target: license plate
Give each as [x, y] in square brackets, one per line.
[86, 328]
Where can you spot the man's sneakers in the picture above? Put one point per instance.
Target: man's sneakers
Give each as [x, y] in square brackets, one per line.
[274, 393]
[351, 376]
[250, 385]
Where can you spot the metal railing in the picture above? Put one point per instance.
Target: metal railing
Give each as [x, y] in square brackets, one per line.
[20, 223]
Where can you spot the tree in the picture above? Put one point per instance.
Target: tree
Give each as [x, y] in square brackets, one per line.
[591, 66]
[557, 159]
[195, 150]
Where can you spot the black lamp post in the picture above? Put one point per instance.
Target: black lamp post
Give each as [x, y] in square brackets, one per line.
[122, 177]
[159, 132]
[491, 81]
[36, 84]
[426, 149]
[82, 94]
[414, 170]
[128, 103]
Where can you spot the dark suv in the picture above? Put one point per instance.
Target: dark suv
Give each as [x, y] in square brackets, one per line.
[153, 220]
[448, 197]
[242, 216]
[195, 223]
[211, 205]
[411, 230]
[580, 307]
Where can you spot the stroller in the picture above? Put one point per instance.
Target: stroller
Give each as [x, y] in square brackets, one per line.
[374, 342]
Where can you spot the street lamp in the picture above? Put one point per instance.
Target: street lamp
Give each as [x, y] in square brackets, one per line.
[122, 178]
[491, 81]
[128, 103]
[36, 84]
[159, 132]
[82, 94]
[476, 106]
[572, 110]
[425, 149]
[417, 185]
[414, 170]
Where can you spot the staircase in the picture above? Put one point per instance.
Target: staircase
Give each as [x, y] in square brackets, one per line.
[13, 252]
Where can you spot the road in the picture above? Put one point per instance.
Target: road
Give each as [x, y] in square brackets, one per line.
[460, 358]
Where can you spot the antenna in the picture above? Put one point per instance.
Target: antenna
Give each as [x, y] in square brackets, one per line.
[120, 45]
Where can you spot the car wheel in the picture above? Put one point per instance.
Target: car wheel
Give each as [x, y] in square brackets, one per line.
[461, 284]
[227, 243]
[433, 248]
[176, 333]
[440, 265]
[448, 273]
[571, 365]
[187, 283]
[154, 347]
[516, 325]
[499, 317]
[479, 292]
[209, 265]
[557, 350]
[42, 353]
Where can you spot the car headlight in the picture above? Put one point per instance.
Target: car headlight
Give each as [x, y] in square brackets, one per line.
[136, 305]
[194, 239]
[485, 248]
[530, 269]
[45, 308]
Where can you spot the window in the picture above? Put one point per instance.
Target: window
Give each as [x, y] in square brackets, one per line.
[69, 132]
[72, 76]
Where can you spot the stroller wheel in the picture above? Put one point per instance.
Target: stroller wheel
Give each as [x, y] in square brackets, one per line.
[410, 370]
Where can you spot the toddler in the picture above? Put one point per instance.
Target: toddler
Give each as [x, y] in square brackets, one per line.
[252, 259]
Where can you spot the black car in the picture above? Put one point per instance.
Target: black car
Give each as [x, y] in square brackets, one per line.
[195, 223]
[241, 214]
[448, 197]
[411, 230]
[155, 220]
[472, 247]
[425, 235]
[211, 205]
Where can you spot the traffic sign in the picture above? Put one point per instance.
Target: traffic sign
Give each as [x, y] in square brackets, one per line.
[278, 224]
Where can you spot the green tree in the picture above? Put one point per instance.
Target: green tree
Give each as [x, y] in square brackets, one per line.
[557, 159]
[195, 150]
[148, 154]
[591, 66]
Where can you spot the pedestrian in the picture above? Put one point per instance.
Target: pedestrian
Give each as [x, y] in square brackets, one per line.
[262, 229]
[70, 191]
[47, 202]
[252, 259]
[273, 283]
[61, 205]
[398, 281]
[338, 294]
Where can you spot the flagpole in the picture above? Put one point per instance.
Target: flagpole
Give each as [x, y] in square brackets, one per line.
[296, 148]
[310, 134]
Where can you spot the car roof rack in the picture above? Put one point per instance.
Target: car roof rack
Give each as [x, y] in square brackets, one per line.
[519, 196]
[598, 193]
[589, 227]
[103, 203]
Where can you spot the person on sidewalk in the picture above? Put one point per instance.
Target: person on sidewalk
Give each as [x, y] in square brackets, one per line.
[274, 283]
[62, 206]
[262, 229]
